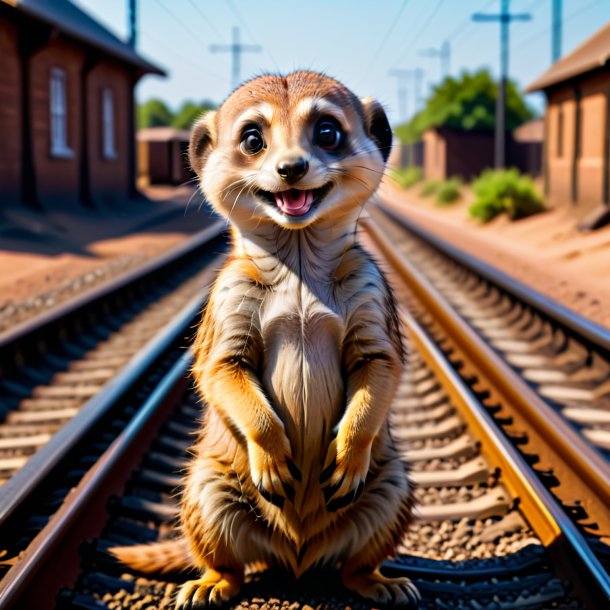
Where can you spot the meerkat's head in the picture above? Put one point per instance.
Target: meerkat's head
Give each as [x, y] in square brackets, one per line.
[290, 150]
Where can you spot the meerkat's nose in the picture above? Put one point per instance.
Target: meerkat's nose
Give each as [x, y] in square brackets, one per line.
[291, 170]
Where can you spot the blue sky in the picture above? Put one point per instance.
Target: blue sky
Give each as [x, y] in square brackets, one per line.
[357, 41]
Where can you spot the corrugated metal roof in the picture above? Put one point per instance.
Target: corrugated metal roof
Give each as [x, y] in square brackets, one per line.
[591, 54]
[76, 23]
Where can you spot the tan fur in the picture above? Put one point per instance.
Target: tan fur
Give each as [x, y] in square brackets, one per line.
[297, 357]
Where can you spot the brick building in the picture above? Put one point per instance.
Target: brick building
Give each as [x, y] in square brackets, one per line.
[66, 107]
[455, 152]
[163, 155]
[577, 137]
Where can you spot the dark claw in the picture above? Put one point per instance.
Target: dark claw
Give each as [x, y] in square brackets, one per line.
[289, 491]
[330, 491]
[294, 471]
[275, 499]
[328, 471]
[302, 552]
[338, 503]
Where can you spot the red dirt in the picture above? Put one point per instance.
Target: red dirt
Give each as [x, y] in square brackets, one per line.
[545, 251]
[55, 256]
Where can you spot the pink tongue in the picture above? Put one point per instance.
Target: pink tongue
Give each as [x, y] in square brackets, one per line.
[294, 202]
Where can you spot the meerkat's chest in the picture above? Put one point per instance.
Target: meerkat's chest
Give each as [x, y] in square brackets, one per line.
[303, 336]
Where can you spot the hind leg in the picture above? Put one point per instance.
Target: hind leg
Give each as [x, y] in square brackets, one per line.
[380, 518]
[216, 521]
[215, 587]
[365, 579]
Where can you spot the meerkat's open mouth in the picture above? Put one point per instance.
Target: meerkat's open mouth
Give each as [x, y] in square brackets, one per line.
[296, 202]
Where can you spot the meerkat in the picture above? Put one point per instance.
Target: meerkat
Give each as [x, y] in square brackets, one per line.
[298, 354]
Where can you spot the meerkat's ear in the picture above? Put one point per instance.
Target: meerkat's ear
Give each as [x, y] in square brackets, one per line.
[377, 126]
[203, 139]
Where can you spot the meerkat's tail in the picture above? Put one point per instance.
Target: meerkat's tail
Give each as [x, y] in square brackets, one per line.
[155, 558]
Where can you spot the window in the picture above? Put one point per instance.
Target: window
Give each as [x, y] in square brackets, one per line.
[560, 132]
[59, 115]
[108, 147]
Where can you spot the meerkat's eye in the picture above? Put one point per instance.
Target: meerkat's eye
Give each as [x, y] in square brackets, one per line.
[328, 134]
[251, 141]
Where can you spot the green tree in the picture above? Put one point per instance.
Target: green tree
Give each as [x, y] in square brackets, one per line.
[467, 102]
[189, 112]
[154, 113]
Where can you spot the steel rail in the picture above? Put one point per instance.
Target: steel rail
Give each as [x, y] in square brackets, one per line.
[40, 324]
[583, 329]
[537, 504]
[581, 471]
[80, 516]
[17, 489]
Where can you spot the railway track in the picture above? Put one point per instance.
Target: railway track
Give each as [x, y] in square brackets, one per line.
[67, 377]
[488, 533]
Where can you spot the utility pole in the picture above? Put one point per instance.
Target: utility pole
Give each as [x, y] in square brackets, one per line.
[236, 49]
[402, 77]
[504, 18]
[444, 54]
[556, 38]
[418, 76]
[133, 37]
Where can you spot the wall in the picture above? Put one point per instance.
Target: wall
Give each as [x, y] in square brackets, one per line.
[468, 153]
[10, 114]
[590, 165]
[435, 152]
[560, 154]
[57, 179]
[109, 177]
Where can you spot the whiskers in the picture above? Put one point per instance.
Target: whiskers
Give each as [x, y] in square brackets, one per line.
[247, 184]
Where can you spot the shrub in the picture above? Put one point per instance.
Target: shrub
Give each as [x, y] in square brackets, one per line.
[430, 187]
[499, 191]
[407, 176]
[448, 191]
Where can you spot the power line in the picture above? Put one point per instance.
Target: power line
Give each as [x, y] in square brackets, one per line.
[132, 19]
[462, 29]
[444, 54]
[556, 37]
[184, 58]
[505, 18]
[236, 49]
[421, 30]
[386, 37]
[402, 77]
[244, 24]
[544, 31]
[181, 23]
[207, 20]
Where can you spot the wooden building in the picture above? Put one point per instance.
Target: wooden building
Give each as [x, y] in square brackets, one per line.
[455, 152]
[577, 136]
[163, 155]
[66, 107]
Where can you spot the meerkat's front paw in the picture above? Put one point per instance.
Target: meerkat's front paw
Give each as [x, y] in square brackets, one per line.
[273, 473]
[344, 473]
[211, 590]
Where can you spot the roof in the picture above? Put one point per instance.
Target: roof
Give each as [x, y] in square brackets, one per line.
[162, 134]
[531, 131]
[591, 54]
[76, 23]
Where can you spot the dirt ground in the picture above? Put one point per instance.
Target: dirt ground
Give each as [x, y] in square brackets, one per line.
[49, 258]
[544, 251]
